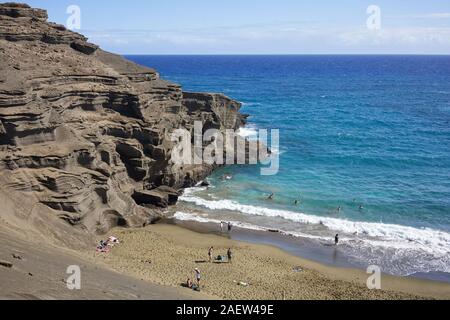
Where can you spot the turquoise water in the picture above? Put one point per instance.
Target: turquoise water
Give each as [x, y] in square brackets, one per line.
[370, 131]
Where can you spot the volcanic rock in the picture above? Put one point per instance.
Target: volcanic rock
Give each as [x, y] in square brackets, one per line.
[86, 133]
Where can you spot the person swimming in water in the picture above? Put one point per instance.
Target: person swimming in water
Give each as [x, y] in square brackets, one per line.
[227, 176]
[272, 195]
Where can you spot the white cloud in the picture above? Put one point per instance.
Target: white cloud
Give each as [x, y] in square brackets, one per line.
[438, 15]
[398, 36]
[279, 38]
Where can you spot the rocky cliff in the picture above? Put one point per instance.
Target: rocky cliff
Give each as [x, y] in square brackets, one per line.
[86, 133]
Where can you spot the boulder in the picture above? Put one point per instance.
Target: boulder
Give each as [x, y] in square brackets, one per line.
[205, 183]
[152, 198]
[162, 197]
[22, 10]
[172, 194]
[84, 47]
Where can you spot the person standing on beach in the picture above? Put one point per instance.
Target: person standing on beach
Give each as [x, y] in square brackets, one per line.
[221, 226]
[336, 240]
[189, 283]
[197, 276]
[229, 226]
[229, 255]
[210, 253]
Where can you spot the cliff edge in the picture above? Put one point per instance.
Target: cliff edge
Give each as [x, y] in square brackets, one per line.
[85, 134]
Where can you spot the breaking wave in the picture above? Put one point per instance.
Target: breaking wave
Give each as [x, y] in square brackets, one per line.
[401, 242]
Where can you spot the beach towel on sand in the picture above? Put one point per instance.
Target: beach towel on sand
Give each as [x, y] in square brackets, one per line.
[221, 258]
[102, 249]
[112, 241]
[105, 246]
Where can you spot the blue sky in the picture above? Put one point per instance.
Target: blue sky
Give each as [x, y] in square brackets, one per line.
[259, 26]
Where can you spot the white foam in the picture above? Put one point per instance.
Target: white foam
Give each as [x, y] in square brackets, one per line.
[250, 104]
[189, 191]
[431, 241]
[183, 216]
[248, 132]
[276, 151]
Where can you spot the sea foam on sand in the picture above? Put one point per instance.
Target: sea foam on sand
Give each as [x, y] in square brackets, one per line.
[400, 243]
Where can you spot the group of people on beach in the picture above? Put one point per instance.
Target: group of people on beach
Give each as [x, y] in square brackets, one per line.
[198, 275]
[105, 246]
[192, 285]
[228, 225]
[229, 255]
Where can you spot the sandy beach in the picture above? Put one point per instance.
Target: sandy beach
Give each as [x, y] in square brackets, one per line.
[167, 255]
[325, 156]
[38, 272]
[154, 262]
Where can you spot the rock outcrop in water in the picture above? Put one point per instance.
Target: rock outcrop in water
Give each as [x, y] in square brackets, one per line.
[85, 132]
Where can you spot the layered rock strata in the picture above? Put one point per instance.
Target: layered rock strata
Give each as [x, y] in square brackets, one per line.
[87, 133]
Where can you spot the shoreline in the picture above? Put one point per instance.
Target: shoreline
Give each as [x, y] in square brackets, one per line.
[167, 254]
[154, 262]
[398, 249]
[300, 247]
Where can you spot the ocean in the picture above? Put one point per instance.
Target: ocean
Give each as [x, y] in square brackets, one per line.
[367, 134]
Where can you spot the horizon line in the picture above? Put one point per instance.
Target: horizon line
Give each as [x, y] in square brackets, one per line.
[284, 54]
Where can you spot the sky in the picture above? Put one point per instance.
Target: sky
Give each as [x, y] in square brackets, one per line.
[260, 26]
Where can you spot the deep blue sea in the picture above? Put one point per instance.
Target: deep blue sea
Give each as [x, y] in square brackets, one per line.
[368, 134]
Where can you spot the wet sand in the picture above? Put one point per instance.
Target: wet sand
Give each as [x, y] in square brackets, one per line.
[327, 254]
[167, 255]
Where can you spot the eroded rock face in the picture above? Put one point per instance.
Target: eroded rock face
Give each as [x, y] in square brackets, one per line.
[86, 132]
[161, 197]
